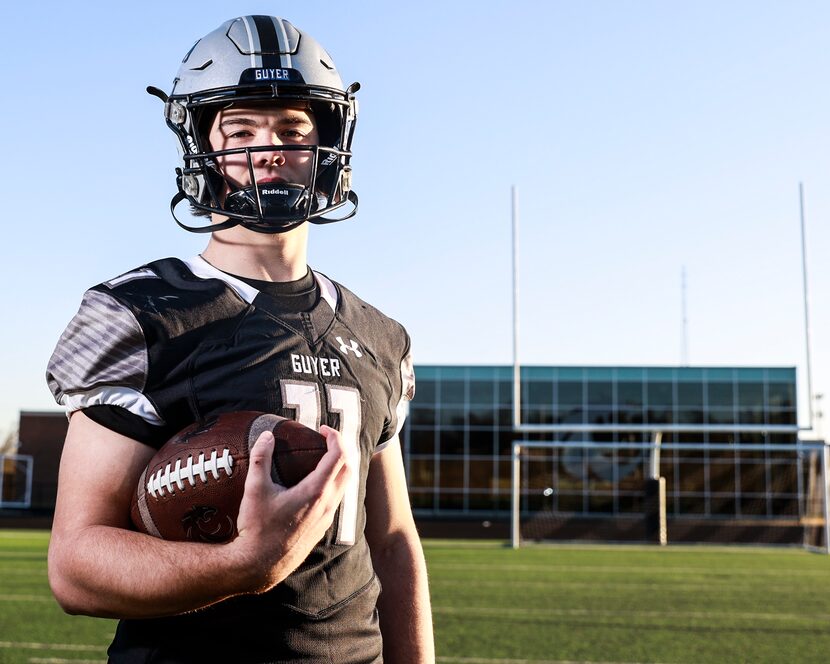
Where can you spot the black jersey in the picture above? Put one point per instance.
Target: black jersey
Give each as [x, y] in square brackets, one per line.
[175, 342]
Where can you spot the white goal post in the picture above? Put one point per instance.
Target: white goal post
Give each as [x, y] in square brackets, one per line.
[563, 457]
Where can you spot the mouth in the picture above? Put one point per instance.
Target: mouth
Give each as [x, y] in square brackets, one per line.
[272, 180]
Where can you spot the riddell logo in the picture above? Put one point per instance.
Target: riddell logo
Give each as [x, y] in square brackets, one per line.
[274, 192]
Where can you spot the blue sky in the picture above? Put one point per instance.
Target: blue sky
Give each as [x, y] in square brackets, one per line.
[643, 137]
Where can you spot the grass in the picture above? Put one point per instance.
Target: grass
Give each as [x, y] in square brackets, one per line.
[540, 604]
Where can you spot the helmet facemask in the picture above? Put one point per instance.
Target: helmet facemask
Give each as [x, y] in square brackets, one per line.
[270, 206]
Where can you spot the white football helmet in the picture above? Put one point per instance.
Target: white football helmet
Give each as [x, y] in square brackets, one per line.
[261, 59]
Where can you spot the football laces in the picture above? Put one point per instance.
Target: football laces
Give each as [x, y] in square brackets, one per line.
[173, 476]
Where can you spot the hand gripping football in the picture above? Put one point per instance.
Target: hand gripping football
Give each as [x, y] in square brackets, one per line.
[192, 487]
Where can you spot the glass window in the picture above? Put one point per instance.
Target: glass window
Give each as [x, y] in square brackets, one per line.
[481, 473]
[481, 416]
[482, 392]
[541, 374]
[659, 415]
[451, 442]
[720, 395]
[721, 416]
[660, 394]
[538, 393]
[630, 415]
[781, 395]
[482, 442]
[452, 474]
[570, 415]
[424, 392]
[690, 395]
[692, 475]
[450, 501]
[505, 392]
[722, 504]
[570, 502]
[421, 441]
[569, 393]
[630, 503]
[751, 395]
[453, 417]
[785, 507]
[421, 416]
[505, 441]
[541, 416]
[689, 375]
[452, 391]
[690, 416]
[782, 416]
[629, 374]
[600, 415]
[630, 393]
[751, 415]
[422, 500]
[599, 374]
[600, 503]
[692, 504]
[600, 393]
[421, 472]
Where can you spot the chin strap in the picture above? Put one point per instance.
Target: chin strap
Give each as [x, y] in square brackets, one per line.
[230, 222]
[178, 198]
[352, 198]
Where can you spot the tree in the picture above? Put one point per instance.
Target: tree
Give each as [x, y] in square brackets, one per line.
[8, 444]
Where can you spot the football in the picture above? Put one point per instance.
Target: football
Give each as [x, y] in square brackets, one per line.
[192, 487]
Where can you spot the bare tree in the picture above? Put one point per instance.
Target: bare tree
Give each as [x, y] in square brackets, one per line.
[8, 444]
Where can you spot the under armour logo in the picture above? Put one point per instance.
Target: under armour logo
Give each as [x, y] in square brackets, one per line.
[353, 347]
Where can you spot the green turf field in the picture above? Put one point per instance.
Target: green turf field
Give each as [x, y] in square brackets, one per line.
[537, 605]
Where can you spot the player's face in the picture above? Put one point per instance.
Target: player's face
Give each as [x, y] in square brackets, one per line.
[255, 126]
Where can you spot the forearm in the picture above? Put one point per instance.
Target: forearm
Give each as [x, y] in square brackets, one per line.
[111, 572]
[404, 605]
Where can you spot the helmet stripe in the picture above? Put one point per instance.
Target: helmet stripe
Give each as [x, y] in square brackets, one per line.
[269, 47]
[282, 37]
[251, 46]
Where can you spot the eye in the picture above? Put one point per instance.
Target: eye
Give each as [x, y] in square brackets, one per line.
[242, 133]
[294, 134]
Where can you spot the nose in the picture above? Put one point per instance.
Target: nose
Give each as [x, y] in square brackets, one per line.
[266, 158]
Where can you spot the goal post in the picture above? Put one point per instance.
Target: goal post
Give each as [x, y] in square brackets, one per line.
[662, 491]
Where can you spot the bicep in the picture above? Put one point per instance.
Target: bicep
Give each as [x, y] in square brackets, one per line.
[388, 511]
[99, 470]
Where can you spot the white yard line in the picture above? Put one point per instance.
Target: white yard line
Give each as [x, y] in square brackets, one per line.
[553, 568]
[502, 612]
[486, 660]
[69, 647]
[553, 583]
[60, 660]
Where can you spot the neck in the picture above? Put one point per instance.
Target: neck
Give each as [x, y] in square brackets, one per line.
[277, 257]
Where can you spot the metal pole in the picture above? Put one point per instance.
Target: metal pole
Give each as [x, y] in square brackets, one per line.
[515, 497]
[684, 350]
[806, 307]
[517, 387]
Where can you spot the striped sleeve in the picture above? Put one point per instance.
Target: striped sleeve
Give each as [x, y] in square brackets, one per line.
[101, 359]
[407, 394]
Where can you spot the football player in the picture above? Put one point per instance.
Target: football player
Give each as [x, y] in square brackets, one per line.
[265, 127]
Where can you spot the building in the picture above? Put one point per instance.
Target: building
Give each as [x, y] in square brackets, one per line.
[459, 436]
